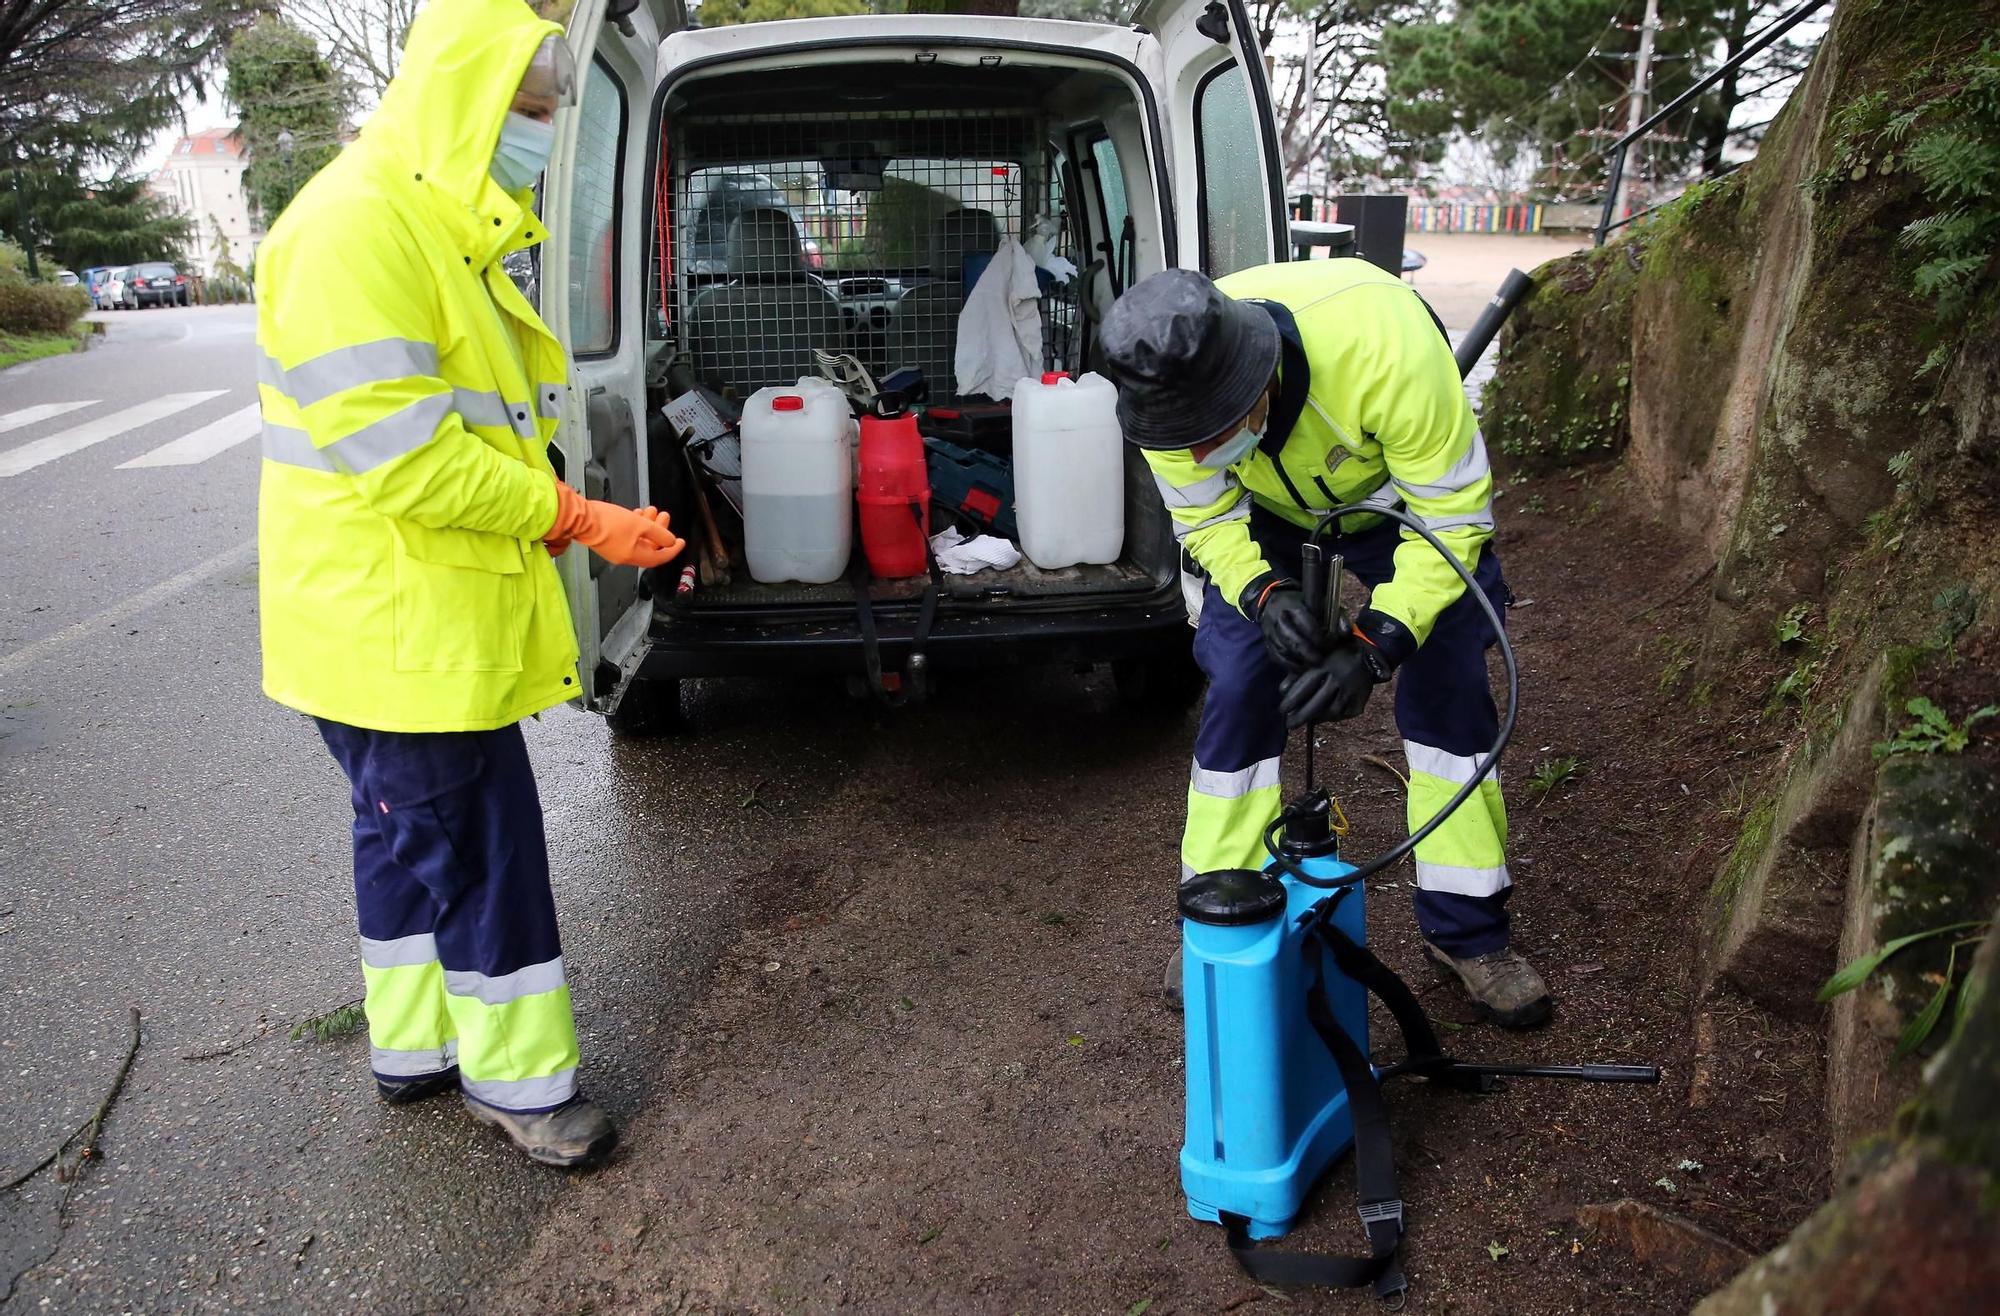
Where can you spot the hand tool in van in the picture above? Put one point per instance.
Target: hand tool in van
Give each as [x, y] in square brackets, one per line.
[714, 557]
[1275, 979]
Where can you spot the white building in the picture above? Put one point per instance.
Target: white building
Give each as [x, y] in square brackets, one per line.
[203, 179]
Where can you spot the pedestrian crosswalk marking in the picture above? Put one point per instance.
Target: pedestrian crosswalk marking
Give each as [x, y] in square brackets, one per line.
[216, 436]
[14, 420]
[76, 439]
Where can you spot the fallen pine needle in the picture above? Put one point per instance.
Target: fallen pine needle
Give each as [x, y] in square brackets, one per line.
[1377, 760]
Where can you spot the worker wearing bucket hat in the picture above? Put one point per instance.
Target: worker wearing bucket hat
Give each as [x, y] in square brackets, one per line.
[1263, 400]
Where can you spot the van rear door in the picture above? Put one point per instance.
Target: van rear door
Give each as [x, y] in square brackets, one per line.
[1228, 183]
[592, 289]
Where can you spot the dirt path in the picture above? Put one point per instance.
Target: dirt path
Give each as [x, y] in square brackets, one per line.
[938, 1076]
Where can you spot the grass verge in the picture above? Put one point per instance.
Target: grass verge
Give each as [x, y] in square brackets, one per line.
[16, 348]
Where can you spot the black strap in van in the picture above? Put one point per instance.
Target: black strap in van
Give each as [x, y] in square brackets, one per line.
[871, 643]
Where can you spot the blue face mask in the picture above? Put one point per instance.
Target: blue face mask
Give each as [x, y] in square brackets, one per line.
[1233, 450]
[523, 151]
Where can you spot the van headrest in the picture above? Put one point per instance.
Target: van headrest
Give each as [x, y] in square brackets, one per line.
[764, 241]
[957, 233]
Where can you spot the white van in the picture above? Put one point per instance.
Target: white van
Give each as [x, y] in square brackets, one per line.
[906, 148]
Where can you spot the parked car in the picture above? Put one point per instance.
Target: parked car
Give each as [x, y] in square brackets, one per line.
[717, 197]
[912, 146]
[115, 292]
[157, 283]
[67, 278]
[92, 277]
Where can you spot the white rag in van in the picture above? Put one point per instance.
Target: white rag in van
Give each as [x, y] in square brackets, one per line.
[958, 556]
[1000, 329]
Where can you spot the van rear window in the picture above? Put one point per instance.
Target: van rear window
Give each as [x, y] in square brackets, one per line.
[857, 235]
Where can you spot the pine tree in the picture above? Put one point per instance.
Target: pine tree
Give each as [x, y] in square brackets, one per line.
[293, 104]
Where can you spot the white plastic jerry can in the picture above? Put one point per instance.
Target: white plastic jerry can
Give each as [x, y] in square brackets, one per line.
[798, 483]
[1069, 470]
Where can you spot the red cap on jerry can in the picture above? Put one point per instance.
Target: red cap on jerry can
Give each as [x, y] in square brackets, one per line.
[1054, 376]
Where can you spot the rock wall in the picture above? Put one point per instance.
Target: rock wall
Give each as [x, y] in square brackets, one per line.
[1776, 379]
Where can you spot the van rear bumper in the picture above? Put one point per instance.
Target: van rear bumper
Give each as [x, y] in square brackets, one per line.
[697, 644]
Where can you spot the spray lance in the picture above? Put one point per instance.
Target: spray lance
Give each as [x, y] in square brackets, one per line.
[1276, 976]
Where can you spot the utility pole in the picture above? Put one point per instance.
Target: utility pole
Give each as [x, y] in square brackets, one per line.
[1635, 104]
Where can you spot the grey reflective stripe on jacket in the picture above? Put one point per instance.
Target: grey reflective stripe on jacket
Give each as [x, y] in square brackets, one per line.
[1482, 519]
[294, 447]
[1199, 494]
[1466, 472]
[387, 359]
[1237, 511]
[396, 435]
[343, 368]
[483, 408]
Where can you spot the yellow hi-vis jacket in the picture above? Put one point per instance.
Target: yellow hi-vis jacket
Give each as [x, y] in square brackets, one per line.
[1383, 418]
[409, 394]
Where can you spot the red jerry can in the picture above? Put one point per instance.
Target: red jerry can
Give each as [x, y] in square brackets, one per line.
[894, 492]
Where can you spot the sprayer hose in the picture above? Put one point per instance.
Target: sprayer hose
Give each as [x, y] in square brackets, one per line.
[1486, 761]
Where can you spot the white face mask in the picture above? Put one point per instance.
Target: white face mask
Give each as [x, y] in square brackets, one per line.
[1232, 450]
[522, 152]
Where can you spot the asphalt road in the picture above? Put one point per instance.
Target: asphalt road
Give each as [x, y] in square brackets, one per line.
[171, 841]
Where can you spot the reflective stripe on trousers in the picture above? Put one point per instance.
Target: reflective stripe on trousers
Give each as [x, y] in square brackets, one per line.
[459, 948]
[1467, 854]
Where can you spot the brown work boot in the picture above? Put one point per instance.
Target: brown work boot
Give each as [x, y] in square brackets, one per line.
[1503, 986]
[574, 1135]
[1170, 986]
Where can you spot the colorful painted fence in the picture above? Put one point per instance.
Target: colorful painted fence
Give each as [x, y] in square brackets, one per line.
[1458, 217]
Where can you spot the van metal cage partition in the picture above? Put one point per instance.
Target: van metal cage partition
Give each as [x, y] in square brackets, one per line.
[859, 233]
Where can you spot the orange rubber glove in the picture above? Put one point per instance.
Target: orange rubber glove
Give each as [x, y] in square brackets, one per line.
[616, 534]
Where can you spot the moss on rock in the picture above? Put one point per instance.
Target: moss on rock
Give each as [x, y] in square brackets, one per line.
[1560, 394]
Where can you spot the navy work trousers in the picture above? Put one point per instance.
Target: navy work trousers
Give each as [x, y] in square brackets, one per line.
[458, 924]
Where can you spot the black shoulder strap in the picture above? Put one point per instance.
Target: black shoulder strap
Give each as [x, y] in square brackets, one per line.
[1294, 378]
[871, 645]
[1381, 1202]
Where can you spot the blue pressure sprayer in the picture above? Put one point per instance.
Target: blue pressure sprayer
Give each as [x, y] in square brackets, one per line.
[1275, 977]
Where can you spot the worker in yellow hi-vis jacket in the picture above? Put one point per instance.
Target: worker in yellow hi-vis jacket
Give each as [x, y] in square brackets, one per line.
[1262, 400]
[407, 517]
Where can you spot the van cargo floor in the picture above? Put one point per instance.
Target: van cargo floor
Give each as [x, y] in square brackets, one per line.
[1025, 581]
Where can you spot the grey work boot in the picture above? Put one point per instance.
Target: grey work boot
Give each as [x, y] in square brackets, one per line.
[1171, 985]
[1503, 986]
[403, 1091]
[574, 1135]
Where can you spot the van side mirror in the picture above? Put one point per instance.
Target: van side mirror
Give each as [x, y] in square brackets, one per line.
[1214, 23]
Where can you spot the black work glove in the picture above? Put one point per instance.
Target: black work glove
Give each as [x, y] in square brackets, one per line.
[1337, 687]
[1292, 636]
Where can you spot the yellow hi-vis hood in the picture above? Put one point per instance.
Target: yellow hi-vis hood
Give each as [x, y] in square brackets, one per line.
[409, 393]
[442, 113]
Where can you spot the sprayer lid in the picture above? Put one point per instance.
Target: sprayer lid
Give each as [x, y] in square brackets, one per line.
[1232, 897]
[1054, 376]
[788, 402]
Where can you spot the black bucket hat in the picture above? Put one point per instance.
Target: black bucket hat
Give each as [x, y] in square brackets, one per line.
[1188, 359]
